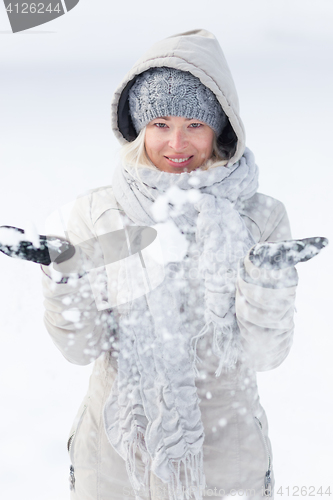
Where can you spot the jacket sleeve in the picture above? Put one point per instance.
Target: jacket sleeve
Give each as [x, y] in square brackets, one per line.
[265, 302]
[79, 330]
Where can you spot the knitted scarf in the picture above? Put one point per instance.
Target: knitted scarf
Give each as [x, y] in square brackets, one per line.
[153, 407]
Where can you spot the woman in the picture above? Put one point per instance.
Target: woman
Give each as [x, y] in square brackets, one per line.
[172, 409]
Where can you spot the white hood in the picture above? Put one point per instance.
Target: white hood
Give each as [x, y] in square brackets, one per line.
[198, 52]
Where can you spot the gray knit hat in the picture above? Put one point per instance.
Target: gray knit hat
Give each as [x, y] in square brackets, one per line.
[165, 91]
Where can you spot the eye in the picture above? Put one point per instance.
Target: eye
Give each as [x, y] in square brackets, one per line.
[195, 125]
[160, 125]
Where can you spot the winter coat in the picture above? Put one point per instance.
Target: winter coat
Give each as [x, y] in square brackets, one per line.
[237, 450]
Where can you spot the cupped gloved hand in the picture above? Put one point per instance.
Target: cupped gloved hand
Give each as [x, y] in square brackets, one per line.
[47, 249]
[67, 260]
[284, 254]
[81, 258]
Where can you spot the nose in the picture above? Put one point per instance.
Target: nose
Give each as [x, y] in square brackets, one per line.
[178, 140]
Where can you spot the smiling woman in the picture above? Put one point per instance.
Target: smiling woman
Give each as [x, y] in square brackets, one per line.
[135, 153]
[173, 411]
[188, 115]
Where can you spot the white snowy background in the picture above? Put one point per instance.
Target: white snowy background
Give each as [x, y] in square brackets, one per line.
[56, 84]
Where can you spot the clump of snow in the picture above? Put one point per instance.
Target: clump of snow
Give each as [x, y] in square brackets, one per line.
[55, 244]
[10, 237]
[160, 208]
[194, 181]
[67, 300]
[31, 234]
[173, 243]
[74, 315]
[177, 198]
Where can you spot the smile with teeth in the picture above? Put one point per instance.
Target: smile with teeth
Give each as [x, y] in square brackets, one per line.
[178, 160]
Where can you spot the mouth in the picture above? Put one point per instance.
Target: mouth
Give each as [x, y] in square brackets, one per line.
[179, 162]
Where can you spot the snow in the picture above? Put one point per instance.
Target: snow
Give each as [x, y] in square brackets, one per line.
[177, 198]
[10, 237]
[173, 243]
[72, 315]
[56, 142]
[31, 233]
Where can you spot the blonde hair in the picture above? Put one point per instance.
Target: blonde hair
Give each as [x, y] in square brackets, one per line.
[134, 154]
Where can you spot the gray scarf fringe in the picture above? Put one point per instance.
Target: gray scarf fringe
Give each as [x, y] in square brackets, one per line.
[153, 407]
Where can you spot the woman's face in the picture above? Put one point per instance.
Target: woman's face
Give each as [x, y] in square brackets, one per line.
[175, 144]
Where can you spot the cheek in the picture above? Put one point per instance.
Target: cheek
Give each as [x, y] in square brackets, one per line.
[206, 146]
[152, 145]
[210, 144]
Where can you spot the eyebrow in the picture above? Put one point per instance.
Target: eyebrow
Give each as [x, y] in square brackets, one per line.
[167, 118]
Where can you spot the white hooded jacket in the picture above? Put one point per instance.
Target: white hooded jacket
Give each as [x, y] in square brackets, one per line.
[237, 450]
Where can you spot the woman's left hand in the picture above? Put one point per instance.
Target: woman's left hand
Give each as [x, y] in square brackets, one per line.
[283, 254]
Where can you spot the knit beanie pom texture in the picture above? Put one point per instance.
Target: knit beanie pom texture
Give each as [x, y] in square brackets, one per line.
[166, 91]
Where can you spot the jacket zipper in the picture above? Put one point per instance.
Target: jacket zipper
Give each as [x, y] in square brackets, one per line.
[69, 446]
[268, 479]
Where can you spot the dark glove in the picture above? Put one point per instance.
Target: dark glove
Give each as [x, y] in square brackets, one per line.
[283, 254]
[120, 244]
[14, 244]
